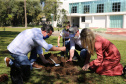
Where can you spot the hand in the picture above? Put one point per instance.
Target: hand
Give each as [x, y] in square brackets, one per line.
[85, 67]
[69, 60]
[58, 45]
[45, 61]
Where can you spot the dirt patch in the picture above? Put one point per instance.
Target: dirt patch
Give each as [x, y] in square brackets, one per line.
[3, 78]
[66, 69]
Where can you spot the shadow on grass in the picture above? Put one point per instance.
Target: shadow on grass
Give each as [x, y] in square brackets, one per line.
[8, 33]
[42, 77]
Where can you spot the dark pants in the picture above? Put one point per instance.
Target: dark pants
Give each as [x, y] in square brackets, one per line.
[21, 67]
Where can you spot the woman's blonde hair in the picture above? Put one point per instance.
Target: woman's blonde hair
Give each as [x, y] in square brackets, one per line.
[88, 40]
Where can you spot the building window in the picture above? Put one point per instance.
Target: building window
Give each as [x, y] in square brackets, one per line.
[74, 9]
[116, 7]
[100, 8]
[86, 9]
[83, 19]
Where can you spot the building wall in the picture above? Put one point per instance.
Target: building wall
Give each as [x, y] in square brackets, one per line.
[99, 21]
[88, 19]
[108, 4]
[94, 19]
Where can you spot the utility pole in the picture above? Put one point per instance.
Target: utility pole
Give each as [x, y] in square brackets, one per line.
[25, 14]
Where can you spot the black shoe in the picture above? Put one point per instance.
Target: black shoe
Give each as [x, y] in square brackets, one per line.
[124, 71]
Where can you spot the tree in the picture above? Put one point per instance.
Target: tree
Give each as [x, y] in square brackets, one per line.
[12, 12]
[25, 13]
[51, 7]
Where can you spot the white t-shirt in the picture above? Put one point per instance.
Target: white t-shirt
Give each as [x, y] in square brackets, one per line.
[65, 34]
[74, 41]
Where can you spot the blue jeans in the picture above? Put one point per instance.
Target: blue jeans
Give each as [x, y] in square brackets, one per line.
[83, 51]
[23, 59]
[20, 68]
[20, 60]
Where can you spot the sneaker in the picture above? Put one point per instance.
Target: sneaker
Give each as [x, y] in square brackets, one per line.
[36, 66]
[7, 60]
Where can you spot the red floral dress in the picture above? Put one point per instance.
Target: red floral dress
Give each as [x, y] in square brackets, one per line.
[108, 58]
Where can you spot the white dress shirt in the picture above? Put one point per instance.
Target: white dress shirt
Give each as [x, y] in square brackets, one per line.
[27, 40]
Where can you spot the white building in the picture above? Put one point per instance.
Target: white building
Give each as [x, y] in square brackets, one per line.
[96, 13]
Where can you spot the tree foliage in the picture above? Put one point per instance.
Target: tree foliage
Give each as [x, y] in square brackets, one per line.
[12, 12]
[51, 7]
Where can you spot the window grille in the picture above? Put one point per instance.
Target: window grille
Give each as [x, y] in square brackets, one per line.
[116, 7]
[74, 9]
[86, 9]
[100, 8]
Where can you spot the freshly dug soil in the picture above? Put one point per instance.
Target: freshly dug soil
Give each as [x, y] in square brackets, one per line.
[66, 69]
[3, 78]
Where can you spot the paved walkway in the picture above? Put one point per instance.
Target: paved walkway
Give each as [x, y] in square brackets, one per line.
[116, 31]
[112, 36]
[111, 33]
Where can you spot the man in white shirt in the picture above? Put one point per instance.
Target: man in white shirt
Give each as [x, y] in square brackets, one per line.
[75, 43]
[30, 40]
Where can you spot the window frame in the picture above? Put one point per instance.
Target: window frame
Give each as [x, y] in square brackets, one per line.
[86, 9]
[116, 6]
[83, 19]
[100, 8]
[74, 9]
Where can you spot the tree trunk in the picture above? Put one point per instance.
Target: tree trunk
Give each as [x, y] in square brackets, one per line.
[25, 14]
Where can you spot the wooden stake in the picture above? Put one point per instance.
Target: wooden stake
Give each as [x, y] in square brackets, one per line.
[65, 51]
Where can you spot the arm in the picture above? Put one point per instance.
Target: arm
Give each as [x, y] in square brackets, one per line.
[58, 41]
[86, 63]
[43, 58]
[40, 53]
[99, 52]
[57, 49]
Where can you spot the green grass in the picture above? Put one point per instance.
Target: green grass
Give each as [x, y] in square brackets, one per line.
[22, 28]
[42, 77]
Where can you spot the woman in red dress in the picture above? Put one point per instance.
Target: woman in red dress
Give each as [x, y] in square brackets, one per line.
[108, 56]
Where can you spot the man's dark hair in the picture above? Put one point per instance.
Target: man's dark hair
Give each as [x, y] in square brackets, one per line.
[47, 28]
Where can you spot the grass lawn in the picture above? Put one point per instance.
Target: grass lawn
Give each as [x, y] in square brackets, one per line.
[42, 77]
